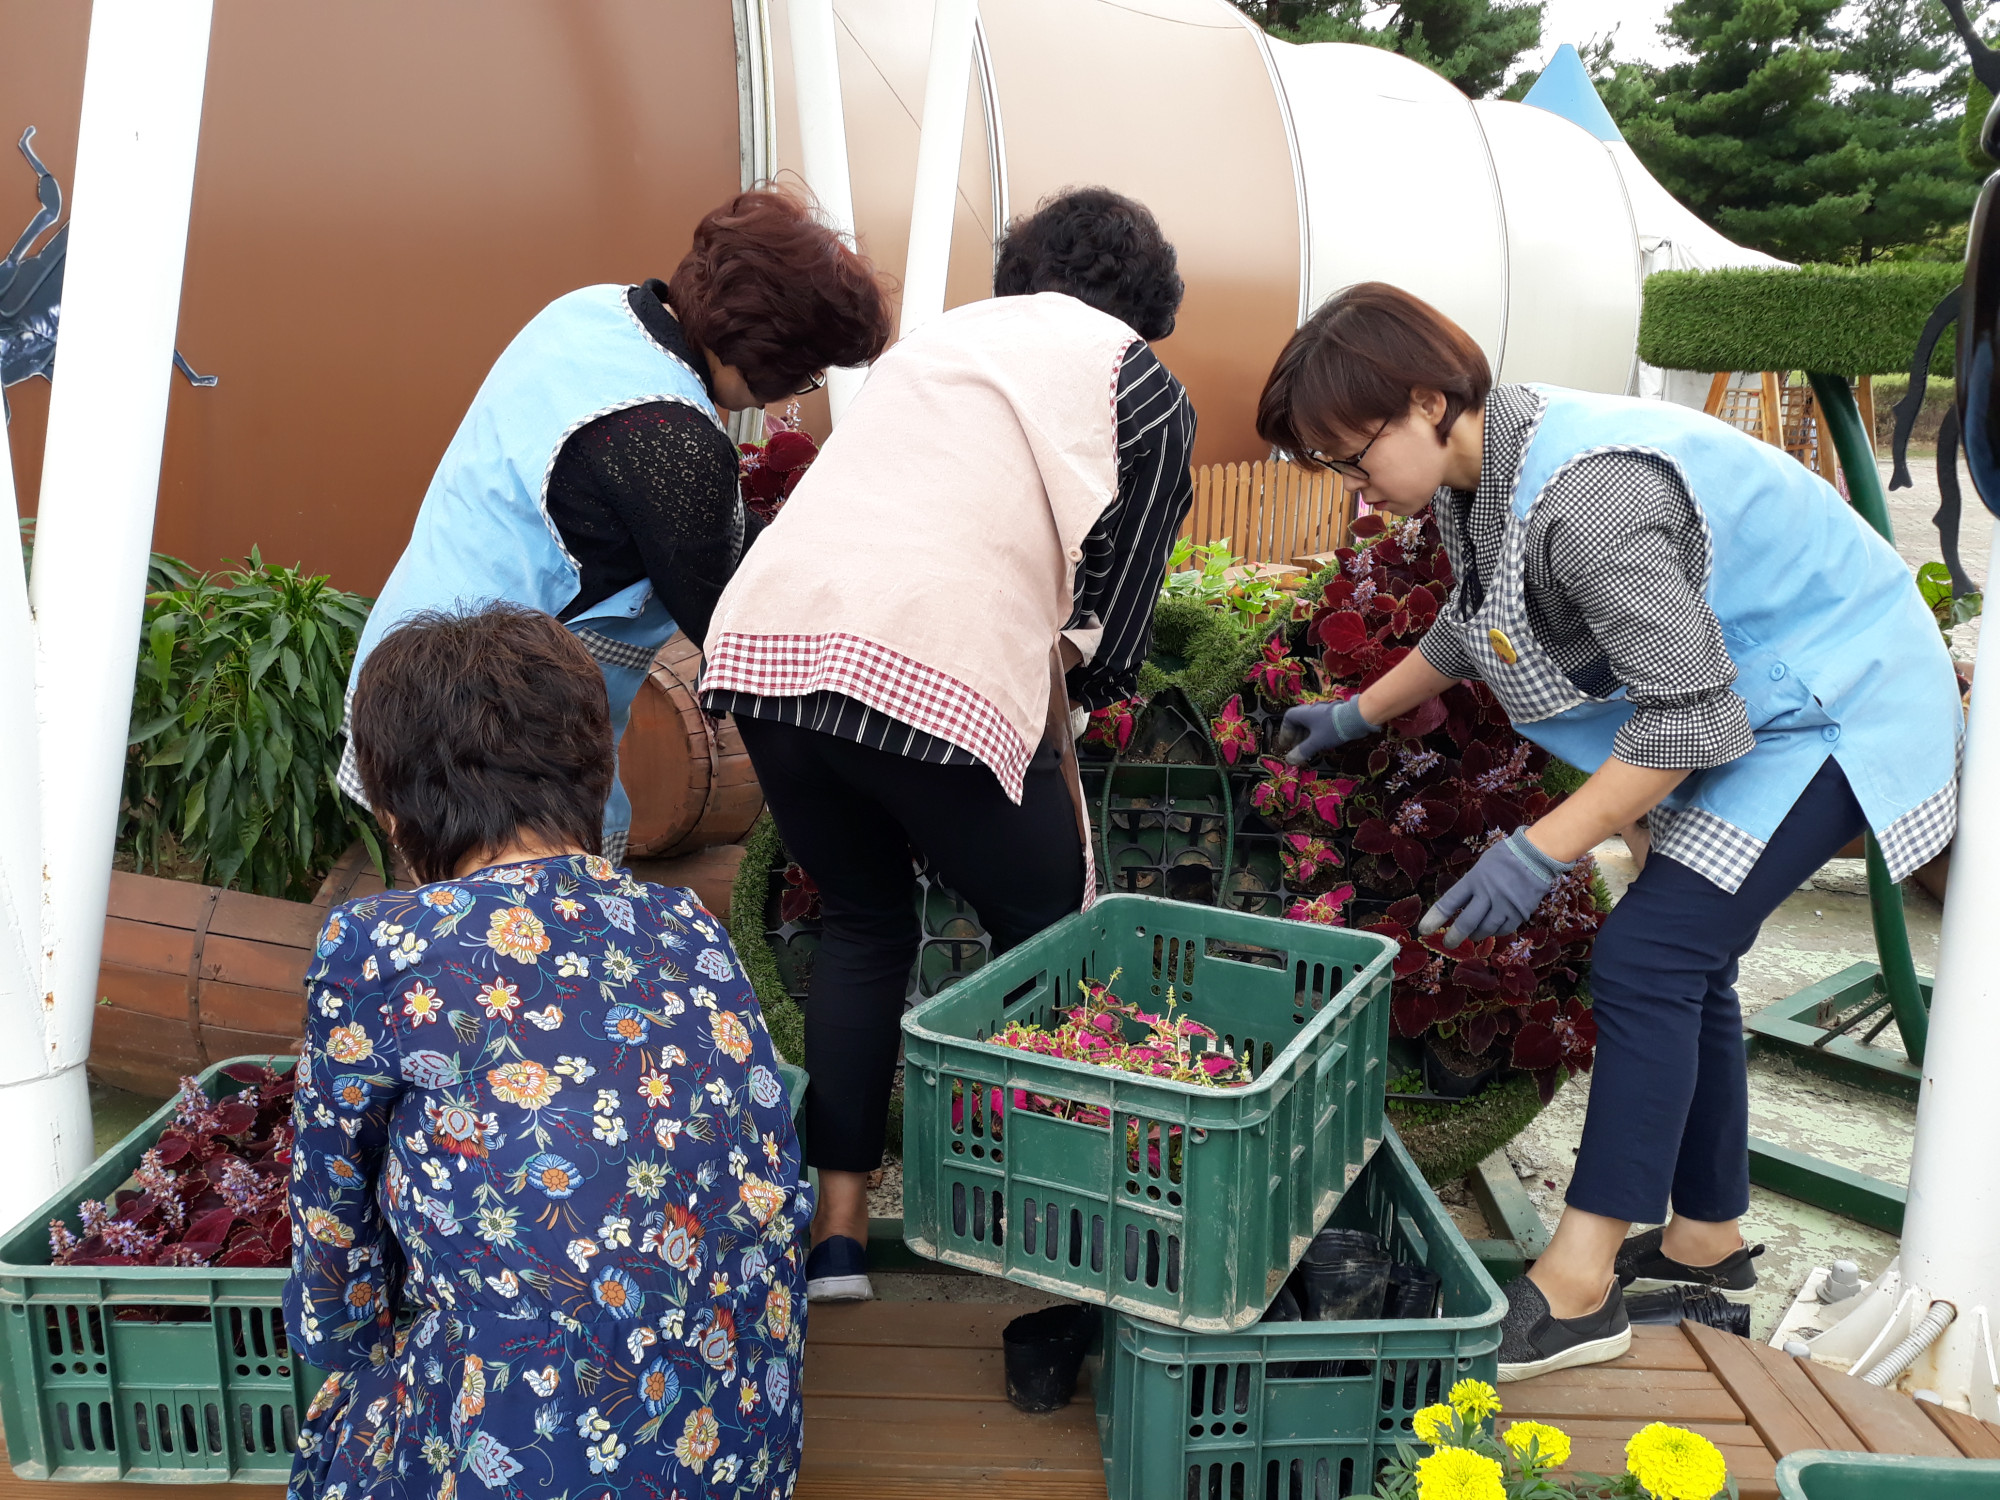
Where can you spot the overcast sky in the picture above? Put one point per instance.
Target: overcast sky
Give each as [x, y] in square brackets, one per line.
[1576, 21]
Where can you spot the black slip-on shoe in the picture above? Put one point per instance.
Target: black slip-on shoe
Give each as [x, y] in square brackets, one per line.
[1643, 1266]
[1534, 1342]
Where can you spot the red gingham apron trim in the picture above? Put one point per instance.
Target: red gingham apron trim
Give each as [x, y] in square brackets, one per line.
[790, 666]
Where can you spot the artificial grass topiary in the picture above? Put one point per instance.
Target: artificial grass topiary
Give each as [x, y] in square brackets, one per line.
[1449, 1140]
[1835, 320]
[1200, 650]
[787, 1023]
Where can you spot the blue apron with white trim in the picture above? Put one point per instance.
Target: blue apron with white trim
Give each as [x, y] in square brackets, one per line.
[1836, 653]
[484, 533]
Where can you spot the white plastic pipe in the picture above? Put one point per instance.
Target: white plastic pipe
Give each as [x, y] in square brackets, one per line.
[23, 1037]
[1951, 1228]
[823, 145]
[136, 141]
[934, 203]
[1914, 1343]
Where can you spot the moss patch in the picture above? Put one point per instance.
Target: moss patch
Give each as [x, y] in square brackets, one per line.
[782, 1015]
[1450, 1140]
[1840, 320]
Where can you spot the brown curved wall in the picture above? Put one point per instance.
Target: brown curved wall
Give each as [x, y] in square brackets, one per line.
[387, 190]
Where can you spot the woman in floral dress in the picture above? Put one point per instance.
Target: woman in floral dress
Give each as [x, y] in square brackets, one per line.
[546, 1189]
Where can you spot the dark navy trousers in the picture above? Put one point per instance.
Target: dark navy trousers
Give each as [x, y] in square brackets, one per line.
[1669, 1117]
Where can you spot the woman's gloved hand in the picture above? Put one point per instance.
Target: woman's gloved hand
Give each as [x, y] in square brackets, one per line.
[1324, 726]
[1496, 895]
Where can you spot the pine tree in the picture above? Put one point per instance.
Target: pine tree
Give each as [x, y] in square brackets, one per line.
[1811, 142]
[1474, 43]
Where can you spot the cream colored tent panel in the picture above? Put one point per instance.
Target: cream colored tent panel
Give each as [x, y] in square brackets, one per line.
[1573, 268]
[1397, 182]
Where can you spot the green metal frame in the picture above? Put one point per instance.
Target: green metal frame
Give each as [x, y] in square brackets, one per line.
[1808, 1027]
[1852, 1195]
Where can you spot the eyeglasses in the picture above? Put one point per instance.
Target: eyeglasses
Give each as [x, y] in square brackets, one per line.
[1350, 468]
[813, 383]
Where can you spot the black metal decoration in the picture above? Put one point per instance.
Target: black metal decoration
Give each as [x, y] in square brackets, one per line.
[1978, 395]
[31, 289]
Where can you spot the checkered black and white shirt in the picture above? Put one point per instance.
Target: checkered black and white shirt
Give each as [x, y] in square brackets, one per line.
[1616, 565]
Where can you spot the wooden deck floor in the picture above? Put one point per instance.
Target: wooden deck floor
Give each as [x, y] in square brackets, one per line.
[903, 1400]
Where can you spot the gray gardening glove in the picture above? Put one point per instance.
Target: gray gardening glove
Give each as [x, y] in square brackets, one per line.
[1496, 895]
[1324, 726]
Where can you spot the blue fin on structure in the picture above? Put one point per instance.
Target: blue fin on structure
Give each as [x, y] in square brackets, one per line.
[1565, 89]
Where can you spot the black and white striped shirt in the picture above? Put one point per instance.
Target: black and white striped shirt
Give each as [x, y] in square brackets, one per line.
[1117, 583]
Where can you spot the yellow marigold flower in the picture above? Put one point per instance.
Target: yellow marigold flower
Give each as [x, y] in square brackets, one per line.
[1551, 1443]
[1433, 1424]
[1675, 1464]
[1473, 1399]
[1459, 1474]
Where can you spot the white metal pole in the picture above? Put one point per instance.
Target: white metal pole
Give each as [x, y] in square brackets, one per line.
[823, 144]
[933, 204]
[1951, 1228]
[140, 127]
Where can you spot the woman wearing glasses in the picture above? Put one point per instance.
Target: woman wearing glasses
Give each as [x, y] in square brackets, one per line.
[592, 478]
[1702, 623]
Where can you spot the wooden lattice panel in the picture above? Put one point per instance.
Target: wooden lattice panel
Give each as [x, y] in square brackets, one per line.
[1269, 512]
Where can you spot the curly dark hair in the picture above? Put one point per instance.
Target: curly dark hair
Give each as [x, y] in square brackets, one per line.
[474, 729]
[778, 294]
[1099, 247]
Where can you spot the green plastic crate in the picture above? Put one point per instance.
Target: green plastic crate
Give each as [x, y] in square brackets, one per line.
[1817, 1475]
[151, 1373]
[1299, 1411]
[1196, 1204]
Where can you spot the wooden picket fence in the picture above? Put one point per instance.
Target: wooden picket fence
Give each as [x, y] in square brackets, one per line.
[1270, 512]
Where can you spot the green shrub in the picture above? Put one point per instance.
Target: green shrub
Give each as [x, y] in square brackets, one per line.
[235, 722]
[1837, 320]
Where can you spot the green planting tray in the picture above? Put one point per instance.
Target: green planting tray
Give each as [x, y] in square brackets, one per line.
[1197, 1202]
[1816, 1475]
[151, 1373]
[1300, 1409]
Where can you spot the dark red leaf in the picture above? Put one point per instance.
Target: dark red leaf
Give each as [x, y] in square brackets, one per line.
[1374, 837]
[1368, 525]
[211, 1228]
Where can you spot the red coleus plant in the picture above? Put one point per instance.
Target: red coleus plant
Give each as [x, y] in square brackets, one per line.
[1422, 801]
[209, 1192]
[1111, 727]
[1290, 795]
[799, 901]
[1234, 734]
[1325, 908]
[1307, 858]
[772, 469]
[1278, 676]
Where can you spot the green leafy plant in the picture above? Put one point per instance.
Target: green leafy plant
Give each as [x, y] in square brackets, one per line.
[1934, 583]
[1200, 571]
[235, 721]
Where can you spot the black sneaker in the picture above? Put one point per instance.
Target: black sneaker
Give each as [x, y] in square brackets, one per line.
[1643, 1266]
[1534, 1342]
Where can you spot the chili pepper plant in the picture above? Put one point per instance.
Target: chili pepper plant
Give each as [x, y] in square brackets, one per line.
[209, 1192]
[1377, 830]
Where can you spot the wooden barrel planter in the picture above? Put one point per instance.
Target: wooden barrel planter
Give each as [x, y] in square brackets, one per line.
[192, 974]
[689, 778]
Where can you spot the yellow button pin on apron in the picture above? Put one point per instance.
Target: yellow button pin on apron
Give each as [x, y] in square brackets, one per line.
[1502, 647]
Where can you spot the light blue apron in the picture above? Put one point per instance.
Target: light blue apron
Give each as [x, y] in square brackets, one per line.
[484, 533]
[1835, 652]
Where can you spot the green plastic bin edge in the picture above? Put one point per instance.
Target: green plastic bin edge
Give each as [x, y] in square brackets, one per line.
[1820, 1474]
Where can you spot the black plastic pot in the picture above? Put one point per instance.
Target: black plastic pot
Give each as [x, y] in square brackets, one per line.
[1413, 1292]
[1343, 1276]
[1443, 1078]
[1044, 1350]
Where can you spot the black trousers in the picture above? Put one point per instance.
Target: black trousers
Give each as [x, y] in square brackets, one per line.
[851, 815]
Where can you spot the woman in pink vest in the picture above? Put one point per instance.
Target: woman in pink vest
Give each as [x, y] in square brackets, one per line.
[975, 553]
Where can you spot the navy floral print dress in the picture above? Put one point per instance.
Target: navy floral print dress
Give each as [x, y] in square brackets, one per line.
[547, 1208]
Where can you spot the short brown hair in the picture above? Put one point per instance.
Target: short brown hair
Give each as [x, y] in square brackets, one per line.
[472, 729]
[1353, 365]
[771, 290]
